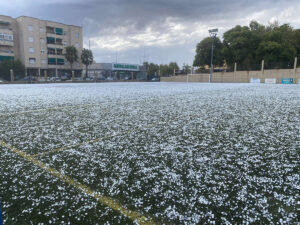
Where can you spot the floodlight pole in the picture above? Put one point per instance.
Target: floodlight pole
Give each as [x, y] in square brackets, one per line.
[212, 34]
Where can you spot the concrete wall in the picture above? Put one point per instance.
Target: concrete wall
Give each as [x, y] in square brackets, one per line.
[237, 77]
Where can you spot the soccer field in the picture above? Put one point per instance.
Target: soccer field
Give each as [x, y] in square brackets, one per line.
[149, 153]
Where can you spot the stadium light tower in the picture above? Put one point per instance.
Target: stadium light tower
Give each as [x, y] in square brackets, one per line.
[212, 33]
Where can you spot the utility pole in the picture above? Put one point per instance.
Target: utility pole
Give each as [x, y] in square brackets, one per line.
[212, 33]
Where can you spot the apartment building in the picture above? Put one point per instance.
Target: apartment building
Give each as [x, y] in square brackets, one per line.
[8, 40]
[40, 45]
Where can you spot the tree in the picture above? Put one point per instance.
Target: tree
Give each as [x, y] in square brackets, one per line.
[164, 70]
[279, 46]
[172, 66]
[186, 68]
[16, 66]
[71, 55]
[296, 41]
[87, 59]
[240, 44]
[19, 69]
[203, 52]
[275, 52]
[152, 69]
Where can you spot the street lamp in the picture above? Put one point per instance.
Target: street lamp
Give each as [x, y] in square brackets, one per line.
[212, 33]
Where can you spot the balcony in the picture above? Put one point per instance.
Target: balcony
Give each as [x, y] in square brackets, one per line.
[53, 51]
[51, 61]
[56, 61]
[6, 38]
[60, 61]
[6, 52]
[6, 43]
[59, 31]
[6, 58]
[59, 51]
[53, 30]
[54, 41]
[50, 30]
[4, 23]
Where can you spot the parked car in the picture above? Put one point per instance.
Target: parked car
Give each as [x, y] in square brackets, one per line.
[109, 78]
[155, 79]
[26, 79]
[64, 77]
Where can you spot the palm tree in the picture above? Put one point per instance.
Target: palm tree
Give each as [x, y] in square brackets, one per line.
[87, 59]
[71, 55]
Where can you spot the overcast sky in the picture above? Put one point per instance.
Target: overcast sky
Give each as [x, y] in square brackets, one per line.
[158, 31]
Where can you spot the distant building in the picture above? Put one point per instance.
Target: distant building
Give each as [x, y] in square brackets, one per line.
[39, 44]
[117, 71]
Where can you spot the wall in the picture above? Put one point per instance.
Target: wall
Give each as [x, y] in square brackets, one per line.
[236, 77]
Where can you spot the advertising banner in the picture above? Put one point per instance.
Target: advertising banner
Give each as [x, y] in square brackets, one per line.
[125, 67]
[270, 80]
[287, 80]
[255, 80]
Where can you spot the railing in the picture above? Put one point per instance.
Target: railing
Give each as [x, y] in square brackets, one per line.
[6, 51]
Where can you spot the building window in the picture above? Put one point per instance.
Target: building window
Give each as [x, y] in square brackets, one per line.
[31, 50]
[50, 30]
[42, 40]
[50, 40]
[52, 61]
[41, 30]
[59, 51]
[30, 28]
[44, 61]
[51, 51]
[60, 61]
[59, 31]
[77, 35]
[31, 60]
[43, 51]
[30, 39]
[65, 43]
[6, 37]
[58, 41]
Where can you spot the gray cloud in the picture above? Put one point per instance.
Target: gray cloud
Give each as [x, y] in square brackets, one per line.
[167, 29]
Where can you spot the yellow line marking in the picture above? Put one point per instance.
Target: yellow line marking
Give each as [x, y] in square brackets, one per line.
[111, 203]
[86, 142]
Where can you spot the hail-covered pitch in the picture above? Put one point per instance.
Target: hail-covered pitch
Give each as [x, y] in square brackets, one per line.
[169, 153]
